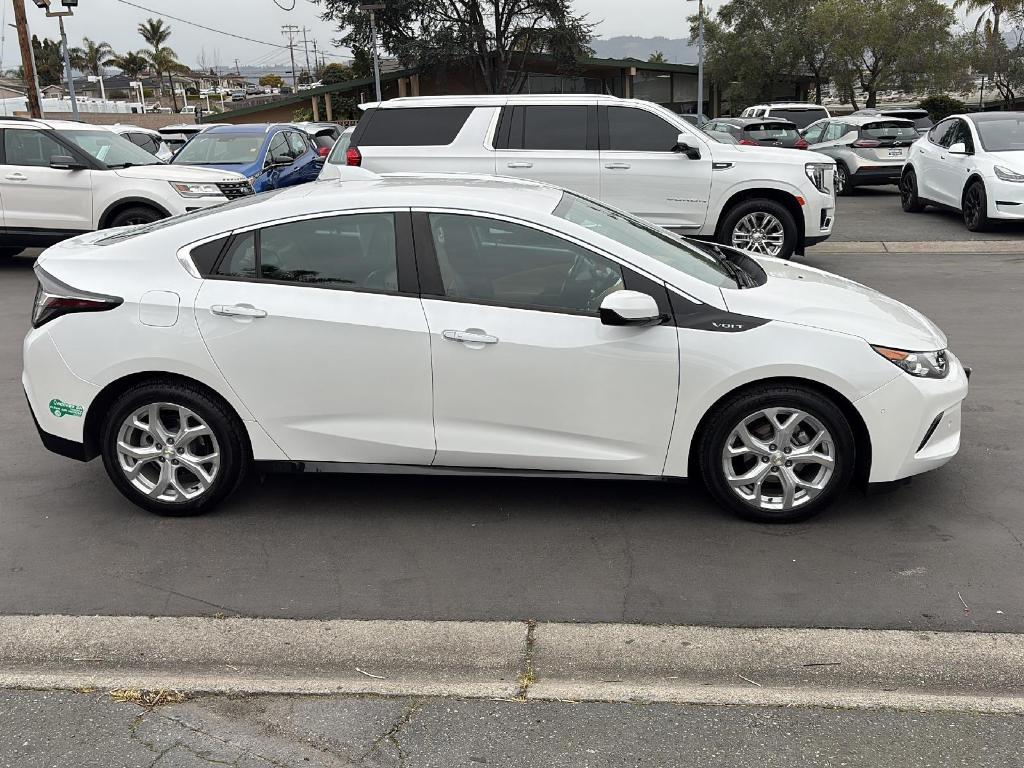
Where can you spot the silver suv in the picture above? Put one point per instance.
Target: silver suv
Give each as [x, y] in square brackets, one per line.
[868, 149]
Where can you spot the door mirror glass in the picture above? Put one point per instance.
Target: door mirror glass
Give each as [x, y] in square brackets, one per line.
[958, 149]
[65, 163]
[630, 308]
[682, 146]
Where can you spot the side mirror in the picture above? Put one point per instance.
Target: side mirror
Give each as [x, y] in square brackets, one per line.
[630, 308]
[66, 163]
[958, 149]
[681, 146]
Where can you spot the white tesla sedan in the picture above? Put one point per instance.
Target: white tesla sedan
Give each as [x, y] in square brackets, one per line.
[460, 324]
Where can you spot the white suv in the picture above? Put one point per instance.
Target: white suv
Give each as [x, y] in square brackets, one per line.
[59, 179]
[801, 113]
[631, 154]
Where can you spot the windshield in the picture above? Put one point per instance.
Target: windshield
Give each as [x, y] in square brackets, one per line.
[221, 149]
[634, 233]
[801, 117]
[889, 130]
[1001, 134]
[110, 149]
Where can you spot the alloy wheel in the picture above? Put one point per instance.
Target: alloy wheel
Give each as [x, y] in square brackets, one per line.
[841, 180]
[972, 206]
[906, 190]
[779, 459]
[167, 452]
[759, 232]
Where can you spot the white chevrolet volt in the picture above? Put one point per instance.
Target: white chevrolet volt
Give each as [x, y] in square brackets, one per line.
[460, 324]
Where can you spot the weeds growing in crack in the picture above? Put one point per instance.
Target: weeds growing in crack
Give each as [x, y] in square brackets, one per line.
[528, 675]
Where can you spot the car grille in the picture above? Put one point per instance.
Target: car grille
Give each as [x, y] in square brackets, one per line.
[235, 189]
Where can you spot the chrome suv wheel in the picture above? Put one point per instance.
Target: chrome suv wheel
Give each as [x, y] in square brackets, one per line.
[779, 454]
[173, 449]
[761, 226]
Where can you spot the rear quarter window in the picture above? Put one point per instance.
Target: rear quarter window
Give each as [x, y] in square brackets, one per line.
[412, 126]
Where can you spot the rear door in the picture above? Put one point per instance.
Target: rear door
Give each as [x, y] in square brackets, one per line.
[555, 143]
[642, 173]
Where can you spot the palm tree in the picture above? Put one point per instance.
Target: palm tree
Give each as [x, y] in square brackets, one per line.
[658, 57]
[155, 32]
[166, 60]
[988, 8]
[91, 57]
[131, 63]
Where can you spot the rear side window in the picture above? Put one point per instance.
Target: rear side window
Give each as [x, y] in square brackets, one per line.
[413, 126]
[636, 130]
[297, 145]
[801, 117]
[546, 127]
[240, 258]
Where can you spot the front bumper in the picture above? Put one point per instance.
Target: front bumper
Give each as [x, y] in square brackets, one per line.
[914, 423]
[1005, 199]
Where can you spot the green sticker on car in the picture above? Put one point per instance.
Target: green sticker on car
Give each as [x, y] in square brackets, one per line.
[59, 408]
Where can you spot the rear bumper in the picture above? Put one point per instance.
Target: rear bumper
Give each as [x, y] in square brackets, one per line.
[877, 174]
[59, 445]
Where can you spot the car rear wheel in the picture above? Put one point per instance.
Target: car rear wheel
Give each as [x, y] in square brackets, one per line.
[779, 454]
[136, 214]
[761, 226]
[908, 193]
[842, 183]
[975, 208]
[172, 449]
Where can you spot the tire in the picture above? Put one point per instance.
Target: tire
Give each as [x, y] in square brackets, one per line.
[975, 208]
[764, 499]
[749, 213]
[843, 187]
[7, 252]
[175, 468]
[908, 192]
[136, 214]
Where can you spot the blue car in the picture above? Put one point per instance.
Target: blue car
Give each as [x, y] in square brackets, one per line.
[271, 156]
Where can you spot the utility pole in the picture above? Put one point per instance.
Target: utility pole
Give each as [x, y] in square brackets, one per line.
[28, 61]
[291, 30]
[238, 69]
[316, 58]
[700, 58]
[305, 47]
[67, 64]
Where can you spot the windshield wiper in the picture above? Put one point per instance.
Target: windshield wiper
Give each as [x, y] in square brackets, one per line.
[743, 280]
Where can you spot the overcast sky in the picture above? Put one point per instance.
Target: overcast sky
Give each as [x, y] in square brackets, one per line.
[115, 22]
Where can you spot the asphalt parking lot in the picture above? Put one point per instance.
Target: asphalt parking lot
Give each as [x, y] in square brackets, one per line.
[945, 553]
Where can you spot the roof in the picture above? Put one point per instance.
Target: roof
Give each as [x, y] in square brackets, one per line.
[788, 105]
[62, 125]
[474, 100]
[856, 119]
[744, 121]
[247, 127]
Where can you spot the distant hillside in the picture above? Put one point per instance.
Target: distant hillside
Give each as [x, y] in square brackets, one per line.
[677, 50]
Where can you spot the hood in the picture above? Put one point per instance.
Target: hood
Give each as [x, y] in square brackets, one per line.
[179, 173]
[767, 154]
[1014, 160]
[807, 296]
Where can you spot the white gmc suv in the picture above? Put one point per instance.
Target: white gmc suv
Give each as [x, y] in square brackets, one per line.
[59, 179]
[631, 154]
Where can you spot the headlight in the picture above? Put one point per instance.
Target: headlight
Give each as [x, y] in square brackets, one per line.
[818, 173]
[926, 365]
[186, 189]
[1007, 175]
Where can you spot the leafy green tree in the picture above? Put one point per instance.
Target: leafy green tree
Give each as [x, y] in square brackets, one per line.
[49, 61]
[495, 36]
[271, 81]
[92, 56]
[131, 64]
[658, 57]
[165, 61]
[156, 32]
[941, 106]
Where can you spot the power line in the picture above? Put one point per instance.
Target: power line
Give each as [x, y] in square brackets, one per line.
[200, 26]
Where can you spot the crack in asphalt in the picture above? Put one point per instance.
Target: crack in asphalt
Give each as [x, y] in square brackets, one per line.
[528, 675]
[391, 735]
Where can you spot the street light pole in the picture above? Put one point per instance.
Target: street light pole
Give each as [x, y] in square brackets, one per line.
[373, 34]
[67, 64]
[700, 59]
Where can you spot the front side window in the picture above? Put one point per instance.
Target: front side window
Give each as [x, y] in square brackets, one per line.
[221, 149]
[110, 149]
[498, 262]
[297, 145]
[352, 251]
[636, 130]
[33, 148]
[645, 238]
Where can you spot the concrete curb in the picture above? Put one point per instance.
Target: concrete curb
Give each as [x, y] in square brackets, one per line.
[607, 662]
[923, 246]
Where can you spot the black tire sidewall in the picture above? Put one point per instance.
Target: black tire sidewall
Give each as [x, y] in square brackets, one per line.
[982, 224]
[231, 442]
[913, 205]
[847, 187]
[729, 415]
[765, 205]
[136, 210]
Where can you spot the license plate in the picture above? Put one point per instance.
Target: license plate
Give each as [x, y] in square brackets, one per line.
[895, 153]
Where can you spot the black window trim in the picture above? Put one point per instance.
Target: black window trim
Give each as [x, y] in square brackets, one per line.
[408, 281]
[605, 131]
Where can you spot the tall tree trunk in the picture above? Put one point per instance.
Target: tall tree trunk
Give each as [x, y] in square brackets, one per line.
[872, 98]
[174, 96]
[817, 90]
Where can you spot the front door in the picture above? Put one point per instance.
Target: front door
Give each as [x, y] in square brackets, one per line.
[951, 171]
[316, 326]
[554, 143]
[643, 174]
[525, 374]
[37, 198]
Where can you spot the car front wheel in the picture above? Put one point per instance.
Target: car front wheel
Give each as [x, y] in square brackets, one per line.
[137, 214]
[172, 449]
[777, 455]
[975, 208]
[760, 226]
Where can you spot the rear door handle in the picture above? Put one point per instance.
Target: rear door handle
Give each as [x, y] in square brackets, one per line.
[469, 337]
[16, 177]
[520, 164]
[237, 310]
[616, 166]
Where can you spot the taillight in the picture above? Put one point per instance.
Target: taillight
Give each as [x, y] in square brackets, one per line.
[54, 298]
[867, 143]
[801, 143]
[353, 156]
[323, 151]
[748, 142]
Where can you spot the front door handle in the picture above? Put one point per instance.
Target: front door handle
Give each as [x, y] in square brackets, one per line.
[520, 164]
[16, 177]
[470, 337]
[616, 166]
[238, 310]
